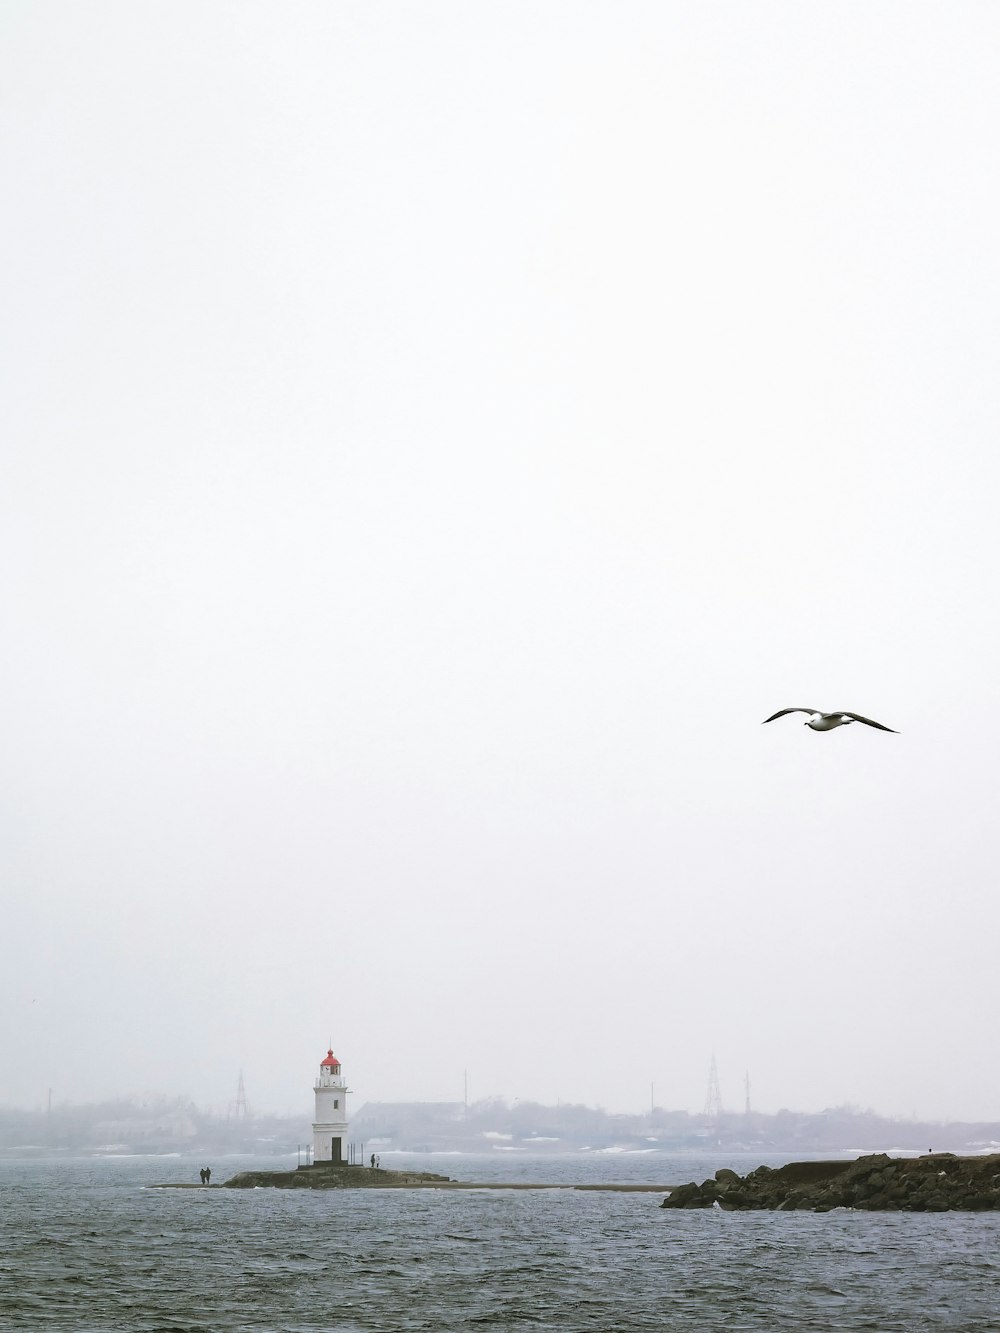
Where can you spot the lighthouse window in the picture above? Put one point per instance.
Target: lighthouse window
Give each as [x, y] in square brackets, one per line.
[336, 1103]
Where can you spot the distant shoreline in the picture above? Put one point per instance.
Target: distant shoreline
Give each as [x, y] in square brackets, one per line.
[163, 1125]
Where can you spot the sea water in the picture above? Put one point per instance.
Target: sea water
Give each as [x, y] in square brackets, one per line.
[86, 1246]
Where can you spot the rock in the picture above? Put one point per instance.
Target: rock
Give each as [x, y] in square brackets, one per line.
[687, 1196]
[874, 1183]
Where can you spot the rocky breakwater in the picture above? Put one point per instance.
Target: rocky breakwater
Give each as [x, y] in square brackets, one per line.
[936, 1183]
[326, 1177]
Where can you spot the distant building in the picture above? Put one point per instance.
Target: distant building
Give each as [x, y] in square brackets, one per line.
[330, 1124]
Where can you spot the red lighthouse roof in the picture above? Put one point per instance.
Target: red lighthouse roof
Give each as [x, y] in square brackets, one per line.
[331, 1061]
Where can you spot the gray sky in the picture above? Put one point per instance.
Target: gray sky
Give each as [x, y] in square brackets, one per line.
[434, 437]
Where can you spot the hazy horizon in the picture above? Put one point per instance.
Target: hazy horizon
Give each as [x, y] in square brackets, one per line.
[435, 437]
[507, 1108]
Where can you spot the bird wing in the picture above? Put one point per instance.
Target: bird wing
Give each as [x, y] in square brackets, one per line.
[795, 710]
[866, 720]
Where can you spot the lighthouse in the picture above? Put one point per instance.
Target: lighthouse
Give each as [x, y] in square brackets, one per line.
[330, 1124]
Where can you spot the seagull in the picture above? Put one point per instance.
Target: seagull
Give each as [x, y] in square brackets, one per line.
[827, 721]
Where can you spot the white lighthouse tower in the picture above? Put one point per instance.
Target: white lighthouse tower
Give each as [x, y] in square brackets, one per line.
[330, 1124]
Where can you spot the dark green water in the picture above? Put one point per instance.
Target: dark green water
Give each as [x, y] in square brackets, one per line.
[84, 1246]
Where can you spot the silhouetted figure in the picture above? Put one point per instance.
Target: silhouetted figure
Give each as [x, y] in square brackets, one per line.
[202, 1174]
[373, 1161]
[208, 1175]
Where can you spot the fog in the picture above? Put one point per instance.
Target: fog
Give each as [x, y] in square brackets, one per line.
[436, 435]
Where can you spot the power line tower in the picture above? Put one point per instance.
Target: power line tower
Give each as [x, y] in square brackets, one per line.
[239, 1110]
[713, 1097]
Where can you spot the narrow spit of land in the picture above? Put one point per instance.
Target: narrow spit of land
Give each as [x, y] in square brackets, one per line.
[326, 1177]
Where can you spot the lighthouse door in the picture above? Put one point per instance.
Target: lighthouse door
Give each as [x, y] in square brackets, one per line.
[335, 1151]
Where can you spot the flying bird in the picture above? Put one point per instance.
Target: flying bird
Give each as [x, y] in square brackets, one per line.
[827, 721]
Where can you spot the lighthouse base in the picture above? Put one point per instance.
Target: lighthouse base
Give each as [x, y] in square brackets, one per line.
[328, 1143]
[330, 1176]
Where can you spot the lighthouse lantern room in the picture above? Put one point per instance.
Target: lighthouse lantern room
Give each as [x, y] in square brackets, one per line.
[330, 1124]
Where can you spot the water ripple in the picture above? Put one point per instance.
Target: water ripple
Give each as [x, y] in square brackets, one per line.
[93, 1252]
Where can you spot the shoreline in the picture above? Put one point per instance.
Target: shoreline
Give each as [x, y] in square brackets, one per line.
[875, 1182]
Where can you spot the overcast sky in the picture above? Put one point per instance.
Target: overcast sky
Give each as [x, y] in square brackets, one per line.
[434, 437]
